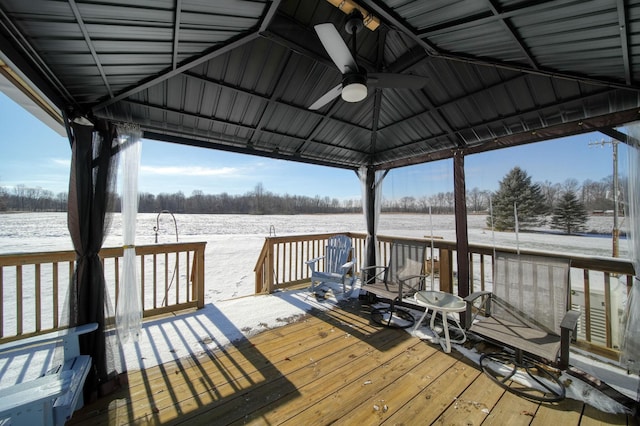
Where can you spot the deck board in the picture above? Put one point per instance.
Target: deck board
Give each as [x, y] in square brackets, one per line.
[474, 404]
[329, 367]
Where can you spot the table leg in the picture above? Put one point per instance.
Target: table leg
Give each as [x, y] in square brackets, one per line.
[447, 340]
[432, 324]
[464, 335]
[415, 327]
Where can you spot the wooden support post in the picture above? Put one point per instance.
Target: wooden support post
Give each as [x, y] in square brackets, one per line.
[462, 238]
[199, 255]
[446, 271]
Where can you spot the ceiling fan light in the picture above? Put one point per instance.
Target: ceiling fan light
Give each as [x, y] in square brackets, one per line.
[354, 92]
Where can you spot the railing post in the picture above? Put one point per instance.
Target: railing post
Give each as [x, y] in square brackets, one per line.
[260, 268]
[259, 280]
[199, 255]
[607, 308]
[270, 268]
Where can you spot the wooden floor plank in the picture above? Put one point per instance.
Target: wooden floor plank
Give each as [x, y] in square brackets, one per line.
[331, 366]
[390, 397]
[475, 403]
[324, 366]
[593, 417]
[512, 410]
[437, 396]
[565, 412]
[375, 372]
[228, 370]
[246, 381]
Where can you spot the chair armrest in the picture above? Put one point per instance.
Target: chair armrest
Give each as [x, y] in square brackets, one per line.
[473, 296]
[410, 277]
[312, 263]
[568, 328]
[570, 320]
[314, 260]
[67, 336]
[348, 265]
[366, 268]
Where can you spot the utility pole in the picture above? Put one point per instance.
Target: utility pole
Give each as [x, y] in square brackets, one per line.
[615, 233]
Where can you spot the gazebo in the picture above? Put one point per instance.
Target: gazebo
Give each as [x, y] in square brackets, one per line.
[438, 80]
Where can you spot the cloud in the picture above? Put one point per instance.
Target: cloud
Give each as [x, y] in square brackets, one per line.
[66, 162]
[189, 171]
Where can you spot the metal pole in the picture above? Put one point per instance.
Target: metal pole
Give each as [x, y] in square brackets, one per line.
[615, 234]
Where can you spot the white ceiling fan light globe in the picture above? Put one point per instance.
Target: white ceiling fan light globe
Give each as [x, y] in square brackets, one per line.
[354, 86]
[354, 92]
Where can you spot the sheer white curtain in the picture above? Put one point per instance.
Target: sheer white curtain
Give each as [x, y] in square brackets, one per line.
[129, 306]
[630, 357]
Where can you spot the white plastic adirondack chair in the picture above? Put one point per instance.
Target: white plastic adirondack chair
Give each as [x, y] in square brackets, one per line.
[336, 263]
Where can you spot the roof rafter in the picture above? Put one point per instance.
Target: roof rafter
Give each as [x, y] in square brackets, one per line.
[161, 134]
[176, 34]
[256, 95]
[168, 73]
[422, 35]
[234, 123]
[26, 58]
[488, 17]
[514, 35]
[377, 100]
[526, 131]
[574, 127]
[380, 9]
[624, 41]
[173, 71]
[87, 39]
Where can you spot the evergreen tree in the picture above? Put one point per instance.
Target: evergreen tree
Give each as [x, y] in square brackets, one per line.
[516, 187]
[569, 214]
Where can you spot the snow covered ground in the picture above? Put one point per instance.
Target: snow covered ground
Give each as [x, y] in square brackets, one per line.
[233, 245]
[234, 241]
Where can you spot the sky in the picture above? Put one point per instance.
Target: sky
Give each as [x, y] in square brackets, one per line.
[34, 155]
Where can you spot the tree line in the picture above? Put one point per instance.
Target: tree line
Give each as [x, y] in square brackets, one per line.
[596, 196]
[593, 195]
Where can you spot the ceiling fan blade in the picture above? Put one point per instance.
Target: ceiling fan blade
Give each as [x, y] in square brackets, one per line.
[327, 97]
[396, 81]
[336, 48]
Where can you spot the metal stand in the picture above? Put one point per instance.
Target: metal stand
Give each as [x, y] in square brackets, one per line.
[495, 366]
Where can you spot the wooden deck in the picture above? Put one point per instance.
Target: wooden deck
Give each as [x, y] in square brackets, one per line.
[333, 367]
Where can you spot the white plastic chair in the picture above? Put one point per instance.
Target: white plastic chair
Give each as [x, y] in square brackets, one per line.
[338, 261]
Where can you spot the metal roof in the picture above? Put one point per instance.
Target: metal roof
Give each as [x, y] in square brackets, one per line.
[240, 75]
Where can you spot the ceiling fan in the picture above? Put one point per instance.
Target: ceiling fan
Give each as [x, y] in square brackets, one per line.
[355, 80]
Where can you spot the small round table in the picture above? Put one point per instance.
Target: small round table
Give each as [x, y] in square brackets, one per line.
[439, 301]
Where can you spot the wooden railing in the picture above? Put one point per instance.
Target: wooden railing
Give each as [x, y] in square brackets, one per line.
[598, 283]
[281, 262]
[34, 286]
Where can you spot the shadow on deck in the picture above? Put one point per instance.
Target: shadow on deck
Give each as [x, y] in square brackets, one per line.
[329, 367]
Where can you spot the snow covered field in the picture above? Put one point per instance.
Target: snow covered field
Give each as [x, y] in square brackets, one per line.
[234, 241]
[233, 245]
